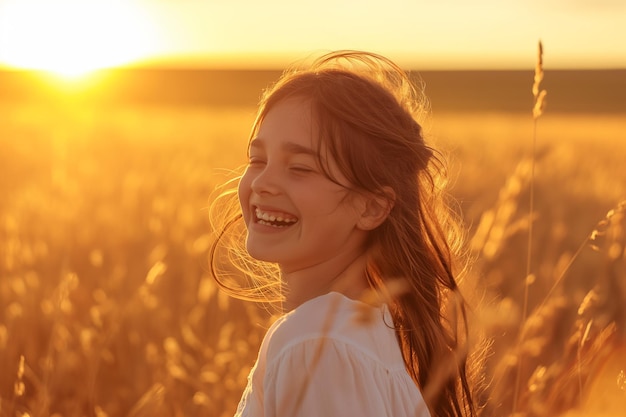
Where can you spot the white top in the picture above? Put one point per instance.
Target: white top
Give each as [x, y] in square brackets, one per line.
[331, 357]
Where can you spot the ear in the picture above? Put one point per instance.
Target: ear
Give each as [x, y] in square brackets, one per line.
[376, 209]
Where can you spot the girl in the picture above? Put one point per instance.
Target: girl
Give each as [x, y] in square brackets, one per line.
[345, 226]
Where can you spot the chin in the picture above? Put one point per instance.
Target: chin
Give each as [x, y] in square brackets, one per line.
[261, 253]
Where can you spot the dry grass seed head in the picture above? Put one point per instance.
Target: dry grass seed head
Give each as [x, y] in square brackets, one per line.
[539, 95]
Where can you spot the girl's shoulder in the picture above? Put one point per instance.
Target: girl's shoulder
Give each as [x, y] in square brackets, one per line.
[334, 318]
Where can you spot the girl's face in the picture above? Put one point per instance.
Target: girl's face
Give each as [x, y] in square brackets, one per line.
[294, 214]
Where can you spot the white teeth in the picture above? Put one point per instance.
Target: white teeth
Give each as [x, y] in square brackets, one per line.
[266, 218]
[271, 224]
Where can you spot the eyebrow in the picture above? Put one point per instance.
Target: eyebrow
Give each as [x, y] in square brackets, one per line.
[289, 147]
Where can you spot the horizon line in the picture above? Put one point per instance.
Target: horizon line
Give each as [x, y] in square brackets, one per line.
[237, 68]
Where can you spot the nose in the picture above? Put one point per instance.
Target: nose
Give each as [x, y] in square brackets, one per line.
[266, 180]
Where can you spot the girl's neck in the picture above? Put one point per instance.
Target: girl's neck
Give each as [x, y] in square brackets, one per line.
[345, 276]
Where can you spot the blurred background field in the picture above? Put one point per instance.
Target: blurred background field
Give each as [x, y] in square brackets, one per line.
[106, 304]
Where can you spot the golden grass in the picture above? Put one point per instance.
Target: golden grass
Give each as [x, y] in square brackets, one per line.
[107, 308]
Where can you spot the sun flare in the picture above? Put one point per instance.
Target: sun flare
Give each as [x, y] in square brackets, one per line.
[74, 37]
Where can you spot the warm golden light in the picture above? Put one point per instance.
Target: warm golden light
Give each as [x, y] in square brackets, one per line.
[74, 37]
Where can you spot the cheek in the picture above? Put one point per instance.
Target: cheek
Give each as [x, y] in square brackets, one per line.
[243, 193]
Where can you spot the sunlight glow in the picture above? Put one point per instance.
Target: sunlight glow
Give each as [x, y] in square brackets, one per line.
[74, 37]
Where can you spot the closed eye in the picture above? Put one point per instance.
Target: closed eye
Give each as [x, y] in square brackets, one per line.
[301, 169]
[256, 161]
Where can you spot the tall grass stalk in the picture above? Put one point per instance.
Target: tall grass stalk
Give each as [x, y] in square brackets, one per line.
[598, 230]
[539, 104]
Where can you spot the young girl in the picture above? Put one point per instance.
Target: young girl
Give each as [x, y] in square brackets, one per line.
[345, 225]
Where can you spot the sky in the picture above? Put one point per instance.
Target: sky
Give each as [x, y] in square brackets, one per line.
[79, 35]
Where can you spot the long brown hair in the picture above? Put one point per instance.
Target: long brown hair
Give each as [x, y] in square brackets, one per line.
[365, 108]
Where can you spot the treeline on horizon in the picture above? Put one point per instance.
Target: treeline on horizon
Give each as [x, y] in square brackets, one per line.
[570, 91]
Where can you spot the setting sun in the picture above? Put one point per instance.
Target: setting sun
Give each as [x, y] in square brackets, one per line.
[73, 37]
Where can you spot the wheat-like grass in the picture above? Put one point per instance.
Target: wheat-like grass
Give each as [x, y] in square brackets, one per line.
[115, 192]
[539, 97]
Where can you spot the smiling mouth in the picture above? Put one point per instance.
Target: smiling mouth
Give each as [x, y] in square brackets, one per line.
[273, 218]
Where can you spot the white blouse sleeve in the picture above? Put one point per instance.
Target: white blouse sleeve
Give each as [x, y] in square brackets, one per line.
[332, 378]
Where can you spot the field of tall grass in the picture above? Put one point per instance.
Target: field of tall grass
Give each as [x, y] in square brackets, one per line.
[107, 307]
